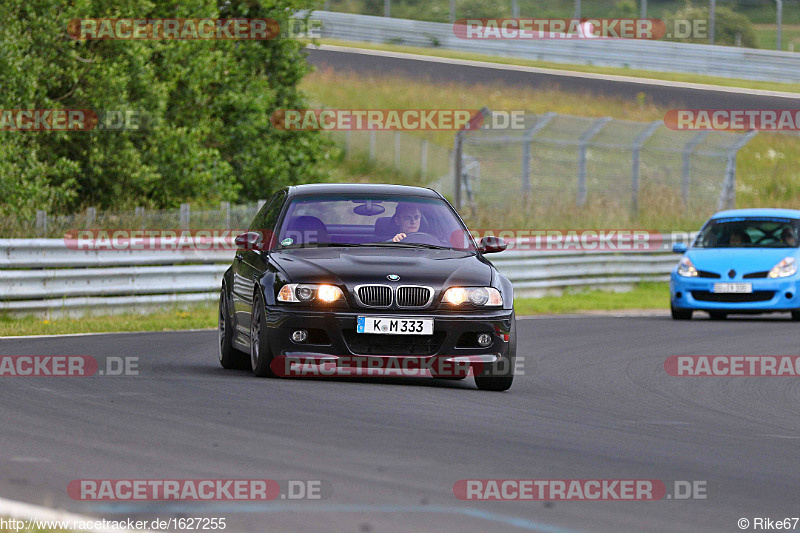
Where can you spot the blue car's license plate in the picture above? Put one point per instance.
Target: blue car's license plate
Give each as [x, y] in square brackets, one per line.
[395, 325]
[733, 288]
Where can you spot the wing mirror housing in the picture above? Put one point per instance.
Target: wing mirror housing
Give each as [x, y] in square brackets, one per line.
[491, 244]
[252, 240]
[679, 248]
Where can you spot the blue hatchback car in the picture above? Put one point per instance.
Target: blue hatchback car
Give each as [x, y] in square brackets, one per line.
[742, 261]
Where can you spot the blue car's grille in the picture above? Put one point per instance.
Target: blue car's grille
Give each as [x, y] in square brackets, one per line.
[755, 296]
[707, 274]
[754, 275]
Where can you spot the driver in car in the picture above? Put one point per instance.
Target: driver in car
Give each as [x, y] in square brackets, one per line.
[407, 218]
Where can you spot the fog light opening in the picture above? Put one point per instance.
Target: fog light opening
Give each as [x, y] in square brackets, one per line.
[300, 335]
[484, 339]
[789, 295]
[678, 294]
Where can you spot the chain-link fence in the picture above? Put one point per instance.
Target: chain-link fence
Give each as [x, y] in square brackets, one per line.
[615, 169]
[46, 225]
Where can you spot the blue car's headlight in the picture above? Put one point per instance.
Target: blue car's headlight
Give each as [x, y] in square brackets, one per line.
[686, 268]
[786, 267]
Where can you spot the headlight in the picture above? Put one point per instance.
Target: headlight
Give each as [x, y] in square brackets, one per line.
[786, 267]
[305, 292]
[479, 296]
[686, 268]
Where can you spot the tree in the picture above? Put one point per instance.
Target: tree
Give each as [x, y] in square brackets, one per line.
[206, 103]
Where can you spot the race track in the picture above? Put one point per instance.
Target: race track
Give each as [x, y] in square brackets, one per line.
[662, 93]
[600, 406]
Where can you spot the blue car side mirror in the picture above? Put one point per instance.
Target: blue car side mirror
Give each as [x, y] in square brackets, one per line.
[679, 248]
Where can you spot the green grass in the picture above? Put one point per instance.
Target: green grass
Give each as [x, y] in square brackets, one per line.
[667, 76]
[643, 296]
[196, 316]
[768, 34]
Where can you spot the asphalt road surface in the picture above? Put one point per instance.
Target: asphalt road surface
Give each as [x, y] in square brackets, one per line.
[429, 68]
[600, 406]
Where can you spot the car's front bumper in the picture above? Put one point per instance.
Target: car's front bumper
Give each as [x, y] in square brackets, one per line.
[769, 295]
[333, 338]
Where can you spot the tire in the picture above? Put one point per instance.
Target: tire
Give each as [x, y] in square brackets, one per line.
[260, 354]
[717, 315]
[796, 316]
[500, 379]
[680, 314]
[229, 357]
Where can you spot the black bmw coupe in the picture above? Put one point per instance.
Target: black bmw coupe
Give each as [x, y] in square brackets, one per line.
[333, 277]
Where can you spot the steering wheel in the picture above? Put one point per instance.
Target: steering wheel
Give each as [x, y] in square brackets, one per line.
[420, 237]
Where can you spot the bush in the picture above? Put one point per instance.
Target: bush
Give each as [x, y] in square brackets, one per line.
[209, 102]
[728, 24]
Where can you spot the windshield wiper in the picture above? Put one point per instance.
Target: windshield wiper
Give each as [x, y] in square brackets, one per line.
[410, 245]
[319, 245]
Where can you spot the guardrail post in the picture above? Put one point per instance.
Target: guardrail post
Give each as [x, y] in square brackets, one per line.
[515, 9]
[41, 223]
[225, 207]
[452, 11]
[91, 215]
[686, 166]
[186, 216]
[526, 148]
[140, 213]
[727, 197]
[397, 145]
[583, 144]
[372, 140]
[638, 142]
[423, 159]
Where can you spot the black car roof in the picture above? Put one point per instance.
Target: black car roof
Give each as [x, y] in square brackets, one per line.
[359, 188]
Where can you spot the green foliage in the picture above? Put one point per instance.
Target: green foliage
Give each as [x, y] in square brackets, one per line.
[207, 102]
[728, 24]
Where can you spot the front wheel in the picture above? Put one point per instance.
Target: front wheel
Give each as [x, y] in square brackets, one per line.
[260, 354]
[796, 316]
[499, 376]
[680, 314]
[229, 357]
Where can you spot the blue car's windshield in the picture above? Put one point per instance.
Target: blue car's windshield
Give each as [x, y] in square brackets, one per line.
[749, 232]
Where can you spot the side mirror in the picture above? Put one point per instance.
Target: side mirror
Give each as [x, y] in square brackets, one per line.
[679, 248]
[491, 244]
[249, 241]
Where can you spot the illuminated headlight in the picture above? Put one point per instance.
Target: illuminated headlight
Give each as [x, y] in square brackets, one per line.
[480, 296]
[296, 292]
[786, 267]
[686, 268]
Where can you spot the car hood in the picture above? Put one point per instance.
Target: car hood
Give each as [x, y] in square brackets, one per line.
[743, 260]
[355, 266]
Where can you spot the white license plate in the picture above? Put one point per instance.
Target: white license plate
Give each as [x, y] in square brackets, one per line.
[394, 325]
[733, 287]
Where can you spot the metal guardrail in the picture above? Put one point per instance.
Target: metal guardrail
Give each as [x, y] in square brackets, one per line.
[662, 56]
[40, 276]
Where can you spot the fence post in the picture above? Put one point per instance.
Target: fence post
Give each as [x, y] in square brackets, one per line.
[638, 142]
[91, 216]
[583, 144]
[686, 165]
[458, 147]
[372, 140]
[140, 213]
[41, 223]
[348, 142]
[225, 207]
[397, 146]
[186, 216]
[526, 148]
[423, 159]
[727, 197]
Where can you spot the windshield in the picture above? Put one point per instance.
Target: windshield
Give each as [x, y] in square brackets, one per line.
[372, 221]
[749, 232]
